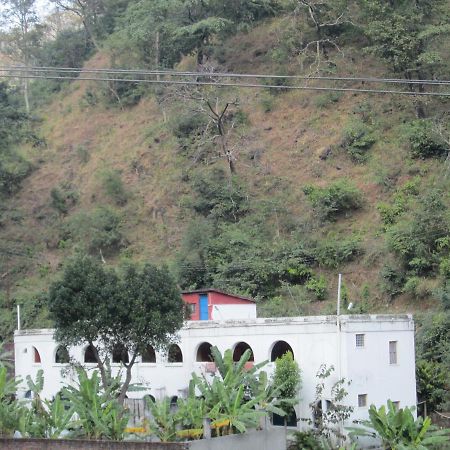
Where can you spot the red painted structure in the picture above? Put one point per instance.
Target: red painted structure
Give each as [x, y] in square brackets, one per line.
[215, 297]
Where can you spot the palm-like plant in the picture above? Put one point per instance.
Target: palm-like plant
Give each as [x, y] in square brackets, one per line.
[99, 415]
[398, 430]
[10, 410]
[163, 423]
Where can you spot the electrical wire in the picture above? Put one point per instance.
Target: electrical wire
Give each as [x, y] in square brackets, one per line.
[238, 85]
[221, 75]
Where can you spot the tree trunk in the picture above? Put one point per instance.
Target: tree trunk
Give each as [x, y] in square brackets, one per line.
[101, 367]
[126, 384]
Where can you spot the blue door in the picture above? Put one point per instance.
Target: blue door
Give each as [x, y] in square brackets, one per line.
[204, 307]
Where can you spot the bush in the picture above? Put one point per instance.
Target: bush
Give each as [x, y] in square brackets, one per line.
[358, 139]
[334, 251]
[187, 125]
[324, 100]
[336, 199]
[99, 230]
[62, 199]
[318, 286]
[423, 141]
[113, 185]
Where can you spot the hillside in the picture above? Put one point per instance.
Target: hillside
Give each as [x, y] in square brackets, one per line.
[302, 185]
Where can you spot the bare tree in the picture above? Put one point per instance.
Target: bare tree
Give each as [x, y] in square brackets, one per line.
[325, 16]
[221, 122]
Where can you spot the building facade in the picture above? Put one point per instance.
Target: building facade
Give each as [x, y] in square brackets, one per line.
[374, 352]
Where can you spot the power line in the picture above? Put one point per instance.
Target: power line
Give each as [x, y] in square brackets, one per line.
[222, 75]
[239, 85]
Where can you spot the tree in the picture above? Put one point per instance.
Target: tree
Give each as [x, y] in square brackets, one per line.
[327, 18]
[22, 17]
[406, 35]
[94, 305]
[287, 375]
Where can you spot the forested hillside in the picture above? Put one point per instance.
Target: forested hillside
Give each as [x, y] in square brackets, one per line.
[268, 192]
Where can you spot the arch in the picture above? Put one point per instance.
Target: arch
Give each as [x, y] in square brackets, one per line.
[62, 355]
[174, 354]
[289, 420]
[279, 349]
[28, 395]
[149, 398]
[89, 355]
[149, 355]
[174, 400]
[120, 354]
[36, 356]
[204, 352]
[239, 350]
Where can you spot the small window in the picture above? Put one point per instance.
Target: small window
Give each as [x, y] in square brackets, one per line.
[362, 400]
[392, 352]
[396, 405]
[359, 340]
[191, 307]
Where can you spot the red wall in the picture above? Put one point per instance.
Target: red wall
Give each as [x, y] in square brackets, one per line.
[214, 298]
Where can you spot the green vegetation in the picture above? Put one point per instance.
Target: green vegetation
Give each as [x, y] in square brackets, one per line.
[397, 429]
[93, 304]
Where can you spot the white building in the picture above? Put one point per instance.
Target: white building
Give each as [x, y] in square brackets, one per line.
[374, 352]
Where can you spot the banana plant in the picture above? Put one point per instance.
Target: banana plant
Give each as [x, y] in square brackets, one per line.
[11, 410]
[398, 430]
[163, 423]
[98, 413]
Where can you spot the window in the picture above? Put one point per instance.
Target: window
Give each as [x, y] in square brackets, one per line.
[359, 340]
[191, 307]
[279, 349]
[392, 352]
[120, 354]
[240, 349]
[396, 405]
[362, 400]
[149, 355]
[204, 352]
[36, 356]
[62, 355]
[89, 355]
[174, 354]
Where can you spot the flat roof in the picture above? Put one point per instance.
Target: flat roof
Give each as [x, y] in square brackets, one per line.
[218, 291]
[269, 321]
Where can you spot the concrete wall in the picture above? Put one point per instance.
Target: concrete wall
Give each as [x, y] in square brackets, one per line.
[272, 439]
[66, 444]
[314, 341]
[231, 312]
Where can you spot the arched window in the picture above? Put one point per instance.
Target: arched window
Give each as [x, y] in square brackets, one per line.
[36, 356]
[120, 354]
[62, 355]
[149, 355]
[279, 349]
[239, 350]
[149, 398]
[174, 354]
[89, 355]
[290, 419]
[204, 352]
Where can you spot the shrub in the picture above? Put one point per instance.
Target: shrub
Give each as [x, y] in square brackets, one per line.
[327, 99]
[318, 286]
[113, 185]
[338, 198]
[99, 230]
[358, 139]
[187, 125]
[333, 251]
[62, 199]
[423, 141]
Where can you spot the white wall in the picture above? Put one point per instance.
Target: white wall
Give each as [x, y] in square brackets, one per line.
[314, 341]
[230, 312]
